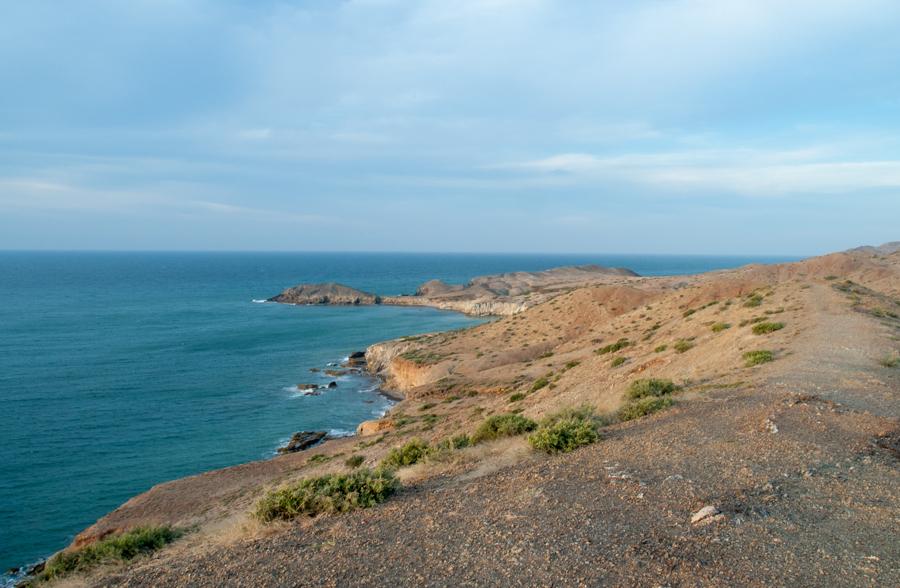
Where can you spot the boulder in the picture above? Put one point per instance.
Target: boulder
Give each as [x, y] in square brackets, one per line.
[303, 440]
[707, 515]
[374, 427]
[332, 385]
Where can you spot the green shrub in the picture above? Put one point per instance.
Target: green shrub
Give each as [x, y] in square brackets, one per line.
[753, 301]
[354, 461]
[413, 451]
[460, 441]
[516, 397]
[613, 347]
[618, 361]
[660, 349]
[752, 358]
[682, 346]
[572, 364]
[503, 425]
[688, 312]
[763, 328]
[644, 406]
[540, 383]
[332, 493]
[566, 431]
[719, 327]
[889, 362]
[115, 549]
[650, 387]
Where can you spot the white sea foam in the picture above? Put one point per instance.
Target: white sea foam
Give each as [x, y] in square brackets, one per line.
[335, 433]
[255, 301]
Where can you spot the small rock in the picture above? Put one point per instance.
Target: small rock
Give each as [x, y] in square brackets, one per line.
[704, 513]
[332, 384]
[770, 426]
[307, 386]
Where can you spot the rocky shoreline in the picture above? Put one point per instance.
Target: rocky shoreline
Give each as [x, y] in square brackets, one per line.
[741, 456]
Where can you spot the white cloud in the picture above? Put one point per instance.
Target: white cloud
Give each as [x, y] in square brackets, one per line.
[750, 172]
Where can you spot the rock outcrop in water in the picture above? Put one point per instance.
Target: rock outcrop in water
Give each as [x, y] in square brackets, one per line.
[496, 295]
[328, 293]
[303, 440]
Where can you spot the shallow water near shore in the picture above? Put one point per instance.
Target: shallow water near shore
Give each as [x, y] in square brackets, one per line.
[119, 371]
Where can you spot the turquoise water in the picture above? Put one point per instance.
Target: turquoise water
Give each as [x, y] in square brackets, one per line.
[122, 370]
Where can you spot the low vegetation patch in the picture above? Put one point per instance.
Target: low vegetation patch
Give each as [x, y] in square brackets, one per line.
[422, 357]
[644, 388]
[413, 451]
[765, 327]
[682, 346]
[618, 361]
[752, 358]
[327, 494]
[719, 327]
[566, 431]
[503, 425]
[613, 347]
[540, 383]
[890, 361]
[354, 461]
[117, 549]
[660, 349]
[753, 300]
[644, 406]
[516, 397]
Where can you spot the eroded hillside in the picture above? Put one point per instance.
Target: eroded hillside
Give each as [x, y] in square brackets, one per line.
[772, 459]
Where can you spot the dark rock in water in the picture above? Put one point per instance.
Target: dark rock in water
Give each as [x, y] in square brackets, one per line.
[357, 358]
[12, 571]
[332, 384]
[336, 373]
[303, 440]
[307, 386]
[36, 568]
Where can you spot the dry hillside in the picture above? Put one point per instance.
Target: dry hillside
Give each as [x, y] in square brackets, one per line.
[796, 457]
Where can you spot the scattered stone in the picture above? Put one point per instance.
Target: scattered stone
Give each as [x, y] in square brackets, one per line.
[770, 426]
[303, 440]
[707, 515]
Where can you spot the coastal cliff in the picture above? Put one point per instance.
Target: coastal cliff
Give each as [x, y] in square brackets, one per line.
[733, 411]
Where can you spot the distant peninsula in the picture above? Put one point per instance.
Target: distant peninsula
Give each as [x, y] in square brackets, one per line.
[499, 295]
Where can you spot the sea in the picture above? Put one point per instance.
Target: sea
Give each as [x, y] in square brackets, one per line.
[122, 370]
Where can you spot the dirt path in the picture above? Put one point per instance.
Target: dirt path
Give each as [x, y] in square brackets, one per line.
[837, 358]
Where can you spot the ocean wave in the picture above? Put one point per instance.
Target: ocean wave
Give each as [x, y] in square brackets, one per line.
[335, 433]
[255, 301]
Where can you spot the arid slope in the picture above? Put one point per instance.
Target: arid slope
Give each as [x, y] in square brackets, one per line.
[799, 455]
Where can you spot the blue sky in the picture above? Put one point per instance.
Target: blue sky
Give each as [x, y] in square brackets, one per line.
[682, 126]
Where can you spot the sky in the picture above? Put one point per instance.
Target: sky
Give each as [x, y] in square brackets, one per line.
[648, 126]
